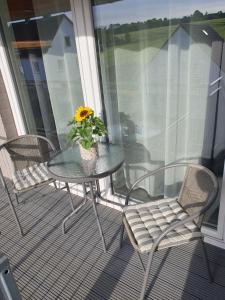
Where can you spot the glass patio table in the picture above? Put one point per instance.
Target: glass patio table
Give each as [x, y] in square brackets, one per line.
[68, 166]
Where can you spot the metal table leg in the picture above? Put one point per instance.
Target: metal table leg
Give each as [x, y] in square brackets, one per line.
[98, 188]
[93, 198]
[111, 184]
[74, 209]
[71, 200]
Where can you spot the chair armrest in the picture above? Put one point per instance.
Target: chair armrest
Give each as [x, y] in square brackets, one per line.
[45, 139]
[151, 174]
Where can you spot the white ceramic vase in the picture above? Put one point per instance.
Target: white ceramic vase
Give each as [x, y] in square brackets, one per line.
[89, 154]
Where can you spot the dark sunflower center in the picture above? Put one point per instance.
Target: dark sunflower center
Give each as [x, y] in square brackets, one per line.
[83, 113]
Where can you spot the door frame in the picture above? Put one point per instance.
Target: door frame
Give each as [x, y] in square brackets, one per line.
[87, 55]
[10, 86]
[90, 80]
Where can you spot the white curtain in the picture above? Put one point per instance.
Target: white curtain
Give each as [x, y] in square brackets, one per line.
[163, 98]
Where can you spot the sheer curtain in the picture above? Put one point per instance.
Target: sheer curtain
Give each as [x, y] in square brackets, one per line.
[164, 92]
[158, 93]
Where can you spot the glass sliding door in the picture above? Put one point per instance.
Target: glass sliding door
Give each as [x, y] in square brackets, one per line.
[40, 39]
[162, 73]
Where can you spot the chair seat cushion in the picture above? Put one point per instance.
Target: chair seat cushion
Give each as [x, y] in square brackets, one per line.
[148, 220]
[30, 176]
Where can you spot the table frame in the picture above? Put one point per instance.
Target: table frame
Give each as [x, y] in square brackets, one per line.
[93, 195]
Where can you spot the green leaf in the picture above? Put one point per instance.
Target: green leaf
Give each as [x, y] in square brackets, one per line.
[85, 130]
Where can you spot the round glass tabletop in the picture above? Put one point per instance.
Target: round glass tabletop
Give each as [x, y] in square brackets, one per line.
[68, 165]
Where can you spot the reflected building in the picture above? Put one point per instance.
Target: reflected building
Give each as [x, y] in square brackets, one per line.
[46, 62]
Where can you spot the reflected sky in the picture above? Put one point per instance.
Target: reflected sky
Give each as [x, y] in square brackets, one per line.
[126, 11]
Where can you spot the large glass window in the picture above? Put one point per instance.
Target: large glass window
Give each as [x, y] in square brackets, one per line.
[162, 67]
[41, 42]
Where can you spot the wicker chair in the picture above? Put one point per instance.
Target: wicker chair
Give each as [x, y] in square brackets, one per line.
[28, 155]
[170, 222]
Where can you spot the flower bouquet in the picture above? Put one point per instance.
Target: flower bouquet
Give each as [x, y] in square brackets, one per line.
[85, 128]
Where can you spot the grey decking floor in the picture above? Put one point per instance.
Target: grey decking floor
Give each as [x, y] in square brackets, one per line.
[49, 265]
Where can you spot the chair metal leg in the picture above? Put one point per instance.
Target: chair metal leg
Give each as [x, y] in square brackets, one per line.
[122, 232]
[142, 264]
[146, 275]
[98, 188]
[97, 217]
[84, 191]
[14, 213]
[55, 185]
[71, 200]
[205, 257]
[17, 200]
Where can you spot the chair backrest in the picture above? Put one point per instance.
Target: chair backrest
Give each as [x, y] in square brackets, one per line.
[28, 150]
[198, 191]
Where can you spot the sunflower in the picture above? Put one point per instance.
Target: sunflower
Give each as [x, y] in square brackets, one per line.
[82, 113]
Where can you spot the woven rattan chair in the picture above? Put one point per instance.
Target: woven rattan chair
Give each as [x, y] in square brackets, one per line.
[28, 155]
[170, 222]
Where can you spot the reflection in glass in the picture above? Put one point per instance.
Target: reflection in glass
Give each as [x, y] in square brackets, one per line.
[163, 84]
[41, 43]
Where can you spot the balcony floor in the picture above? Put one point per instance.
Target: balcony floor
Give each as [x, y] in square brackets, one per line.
[49, 265]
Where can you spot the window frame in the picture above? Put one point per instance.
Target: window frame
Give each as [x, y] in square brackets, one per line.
[9, 82]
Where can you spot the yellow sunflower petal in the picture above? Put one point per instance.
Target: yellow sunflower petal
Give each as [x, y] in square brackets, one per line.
[82, 113]
[90, 110]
